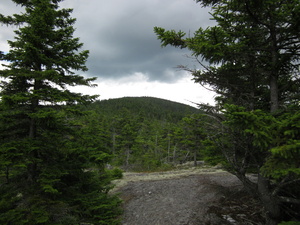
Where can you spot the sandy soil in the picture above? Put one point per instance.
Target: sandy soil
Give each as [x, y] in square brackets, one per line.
[193, 196]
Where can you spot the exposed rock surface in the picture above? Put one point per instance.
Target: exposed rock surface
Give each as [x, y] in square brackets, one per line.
[192, 196]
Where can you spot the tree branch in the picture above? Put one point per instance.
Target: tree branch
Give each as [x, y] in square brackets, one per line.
[289, 200]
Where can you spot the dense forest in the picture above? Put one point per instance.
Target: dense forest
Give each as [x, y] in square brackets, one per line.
[56, 145]
[145, 133]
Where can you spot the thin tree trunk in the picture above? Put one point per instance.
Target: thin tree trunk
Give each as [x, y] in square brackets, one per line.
[274, 94]
[271, 204]
[195, 157]
[169, 147]
[32, 167]
[174, 154]
[261, 189]
[113, 143]
[127, 158]
[156, 146]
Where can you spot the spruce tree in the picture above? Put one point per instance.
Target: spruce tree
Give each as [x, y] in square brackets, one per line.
[253, 56]
[46, 155]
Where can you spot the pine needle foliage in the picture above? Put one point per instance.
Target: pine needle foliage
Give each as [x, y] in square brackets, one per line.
[50, 172]
[250, 58]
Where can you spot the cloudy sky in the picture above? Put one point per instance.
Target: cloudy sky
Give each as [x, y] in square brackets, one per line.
[125, 54]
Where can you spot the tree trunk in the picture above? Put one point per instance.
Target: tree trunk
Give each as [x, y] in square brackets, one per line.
[174, 154]
[274, 69]
[195, 157]
[156, 146]
[113, 143]
[274, 94]
[270, 203]
[32, 167]
[250, 186]
[261, 189]
[127, 152]
[169, 147]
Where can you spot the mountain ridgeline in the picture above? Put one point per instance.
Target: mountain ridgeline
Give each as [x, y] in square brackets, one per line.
[149, 107]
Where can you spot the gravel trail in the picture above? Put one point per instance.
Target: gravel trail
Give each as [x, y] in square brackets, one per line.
[181, 197]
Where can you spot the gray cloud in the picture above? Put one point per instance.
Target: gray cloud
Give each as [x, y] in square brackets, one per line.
[120, 37]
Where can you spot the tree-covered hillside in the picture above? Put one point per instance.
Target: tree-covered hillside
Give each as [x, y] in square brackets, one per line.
[145, 133]
[149, 107]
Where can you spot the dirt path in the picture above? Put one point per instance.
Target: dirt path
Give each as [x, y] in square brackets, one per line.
[191, 196]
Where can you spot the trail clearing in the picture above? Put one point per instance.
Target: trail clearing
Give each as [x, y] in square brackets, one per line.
[191, 196]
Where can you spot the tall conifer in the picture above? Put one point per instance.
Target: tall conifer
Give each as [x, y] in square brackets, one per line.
[45, 161]
[253, 55]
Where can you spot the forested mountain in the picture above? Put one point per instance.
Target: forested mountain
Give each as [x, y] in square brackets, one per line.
[145, 133]
[150, 107]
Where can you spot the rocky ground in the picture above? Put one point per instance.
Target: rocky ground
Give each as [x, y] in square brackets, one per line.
[191, 196]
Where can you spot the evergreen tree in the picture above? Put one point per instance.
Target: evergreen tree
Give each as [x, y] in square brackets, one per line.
[194, 135]
[45, 158]
[252, 52]
[253, 56]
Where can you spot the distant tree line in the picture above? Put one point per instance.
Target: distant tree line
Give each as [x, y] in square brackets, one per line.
[146, 133]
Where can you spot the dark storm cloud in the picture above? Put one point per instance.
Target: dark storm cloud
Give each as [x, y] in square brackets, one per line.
[120, 37]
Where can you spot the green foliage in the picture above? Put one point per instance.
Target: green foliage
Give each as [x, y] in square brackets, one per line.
[253, 66]
[212, 154]
[289, 223]
[275, 136]
[286, 152]
[144, 133]
[51, 162]
[170, 37]
[115, 173]
[255, 123]
[247, 41]
[149, 107]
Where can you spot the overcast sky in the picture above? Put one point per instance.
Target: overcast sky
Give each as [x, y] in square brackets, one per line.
[125, 54]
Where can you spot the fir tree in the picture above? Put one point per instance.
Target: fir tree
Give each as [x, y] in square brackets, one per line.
[45, 157]
[253, 56]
